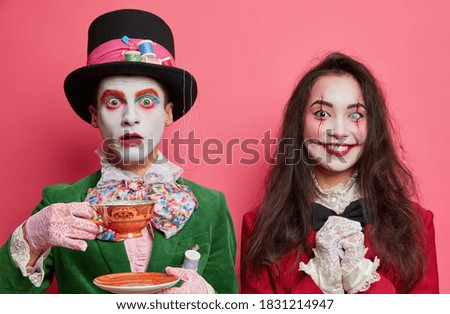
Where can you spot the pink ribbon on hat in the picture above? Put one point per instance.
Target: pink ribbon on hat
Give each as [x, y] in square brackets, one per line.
[115, 49]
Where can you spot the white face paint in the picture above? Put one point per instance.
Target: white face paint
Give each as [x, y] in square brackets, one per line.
[131, 116]
[335, 122]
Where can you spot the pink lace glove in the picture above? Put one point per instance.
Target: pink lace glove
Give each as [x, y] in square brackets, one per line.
[193, 282]
[358, 273]
[61, 225]
[325, 267]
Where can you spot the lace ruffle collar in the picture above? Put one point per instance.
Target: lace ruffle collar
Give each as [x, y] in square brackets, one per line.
[339, 196]
[161, 171]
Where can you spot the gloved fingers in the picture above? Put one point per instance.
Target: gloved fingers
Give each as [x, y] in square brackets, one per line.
[327, 258]
[339, 227]
[84, 225]
[356, 251]
[73, 244]
[330, 239]
[80, 234]
[348, 228]
[349, 252]
[182, 273]
[193, 283]
[171, 291]
[353, 247]
[83, 210]
[352, 257]
[353, 240]
[338, 222]
[54, 224]
[335, 229]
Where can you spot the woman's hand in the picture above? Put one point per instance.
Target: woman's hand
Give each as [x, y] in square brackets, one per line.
[60, 224]
[325, 267]
[329, 242]
[353, 251]
[193, 283]
[358, 273]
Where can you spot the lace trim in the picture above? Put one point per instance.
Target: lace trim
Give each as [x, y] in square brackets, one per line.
[331, 281]
[340, 196]
[162, 171]
[330, 268]
[337, 189]
[373, 277]
[328, 281]
[309, 268]
[20, 252]
[353, 262]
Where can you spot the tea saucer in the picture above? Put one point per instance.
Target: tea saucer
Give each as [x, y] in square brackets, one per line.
[149, 282]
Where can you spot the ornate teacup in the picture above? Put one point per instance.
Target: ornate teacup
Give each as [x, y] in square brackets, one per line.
[125, 218]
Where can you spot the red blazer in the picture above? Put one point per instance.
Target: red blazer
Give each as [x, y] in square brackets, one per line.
[291, 280]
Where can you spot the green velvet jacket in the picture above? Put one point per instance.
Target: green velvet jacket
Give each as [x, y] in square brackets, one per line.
[210, 226]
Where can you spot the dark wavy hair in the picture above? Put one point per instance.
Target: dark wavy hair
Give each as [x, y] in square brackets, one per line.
[283, 222]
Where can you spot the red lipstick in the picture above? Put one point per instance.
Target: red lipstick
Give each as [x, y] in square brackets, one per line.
[130, 139]
[337, 149]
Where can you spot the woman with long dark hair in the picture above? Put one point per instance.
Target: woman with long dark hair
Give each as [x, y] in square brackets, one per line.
[338, 215]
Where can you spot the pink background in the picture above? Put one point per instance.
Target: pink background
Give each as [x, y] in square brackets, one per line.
[246, 57]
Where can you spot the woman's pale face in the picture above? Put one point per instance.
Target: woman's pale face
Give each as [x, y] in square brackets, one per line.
[131, 115]
[335, 122]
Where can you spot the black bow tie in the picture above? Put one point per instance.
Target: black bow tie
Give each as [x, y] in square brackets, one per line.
[354, 211]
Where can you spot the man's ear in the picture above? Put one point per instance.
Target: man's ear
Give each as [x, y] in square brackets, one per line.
[94, 116]
[169, 116]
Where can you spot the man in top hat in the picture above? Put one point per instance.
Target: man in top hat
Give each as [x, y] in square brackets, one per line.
[130, 90]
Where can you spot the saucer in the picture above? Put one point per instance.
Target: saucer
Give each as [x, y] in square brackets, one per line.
[148, 282]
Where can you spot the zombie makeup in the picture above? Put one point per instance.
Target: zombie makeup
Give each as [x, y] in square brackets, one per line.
[131, 117]
[335, 124]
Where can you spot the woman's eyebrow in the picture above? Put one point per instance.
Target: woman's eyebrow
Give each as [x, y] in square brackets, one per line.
[356, 105]
[146, 91]
[322, 102]
[328, 104]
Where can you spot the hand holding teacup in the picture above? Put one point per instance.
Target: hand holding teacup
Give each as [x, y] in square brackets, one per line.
[69, 225]
[61, 224]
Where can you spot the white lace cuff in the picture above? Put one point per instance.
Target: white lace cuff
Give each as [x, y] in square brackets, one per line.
[327, 283]
[362, 276]
[20, 252]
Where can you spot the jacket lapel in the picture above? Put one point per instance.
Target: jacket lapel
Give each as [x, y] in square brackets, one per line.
[113, 253]
[115, 256]
[162, 252]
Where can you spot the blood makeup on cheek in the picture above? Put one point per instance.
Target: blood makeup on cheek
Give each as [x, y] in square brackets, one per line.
[357, 111]
[319, 125]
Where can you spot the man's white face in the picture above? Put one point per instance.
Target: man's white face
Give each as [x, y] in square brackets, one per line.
[131, 115]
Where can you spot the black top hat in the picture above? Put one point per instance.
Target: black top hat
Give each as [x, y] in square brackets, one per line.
[111, 37]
